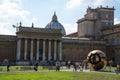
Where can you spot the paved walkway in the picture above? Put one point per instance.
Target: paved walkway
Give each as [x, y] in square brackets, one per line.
[87, 70]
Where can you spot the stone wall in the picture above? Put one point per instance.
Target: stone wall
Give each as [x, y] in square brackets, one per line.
[8, 50]
[77, 50]
[86, 29]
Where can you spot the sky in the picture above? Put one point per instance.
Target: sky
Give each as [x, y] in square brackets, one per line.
[40, 12]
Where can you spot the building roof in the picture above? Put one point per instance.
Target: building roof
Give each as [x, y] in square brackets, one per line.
[82, 40]
[72, 35]
[8, 38]
[85, 19]
[38, 30]
[54, 24]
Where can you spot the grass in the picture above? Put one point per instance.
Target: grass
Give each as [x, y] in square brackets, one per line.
[43, 75]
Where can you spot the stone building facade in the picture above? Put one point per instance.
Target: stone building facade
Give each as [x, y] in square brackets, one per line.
[94, 21]
[77, 49]
[112, 38]
[96, 30]
[8, 47]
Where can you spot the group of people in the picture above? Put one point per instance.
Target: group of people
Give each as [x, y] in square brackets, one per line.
[58, 64]
[77, 65]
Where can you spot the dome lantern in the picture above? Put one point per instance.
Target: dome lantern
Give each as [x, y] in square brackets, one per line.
[54, 24]
[54, 18]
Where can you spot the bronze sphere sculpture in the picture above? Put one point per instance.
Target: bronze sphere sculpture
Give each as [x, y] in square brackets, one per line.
[96, 60]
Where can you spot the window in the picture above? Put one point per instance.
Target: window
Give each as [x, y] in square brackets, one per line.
[112, 41]
[106, 23]
[107, 16]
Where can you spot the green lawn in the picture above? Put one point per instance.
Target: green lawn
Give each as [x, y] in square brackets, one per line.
[16, 73]
[52, 75]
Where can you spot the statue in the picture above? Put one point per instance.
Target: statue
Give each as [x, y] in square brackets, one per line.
[96, 60]
[20, 24]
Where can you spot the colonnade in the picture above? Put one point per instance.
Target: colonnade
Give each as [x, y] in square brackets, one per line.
[56, 43]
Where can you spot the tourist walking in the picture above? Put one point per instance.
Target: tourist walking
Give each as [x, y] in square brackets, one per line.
[36, 67]
[8, 67]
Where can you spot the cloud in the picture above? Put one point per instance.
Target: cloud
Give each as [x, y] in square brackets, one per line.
[99, 2]
[70, 28]
[102, 2]
[11, 12]
[4, 28]
[73, 3]
[12, 9]
[34, 19]
[116, 21]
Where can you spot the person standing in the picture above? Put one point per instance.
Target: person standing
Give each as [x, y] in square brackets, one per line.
[69, 64]
[8, 67]
[36, 67]
[74, 67]
[57, 66]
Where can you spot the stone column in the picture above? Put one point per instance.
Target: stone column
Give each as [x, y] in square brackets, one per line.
[31, 50]
[25, 50]
[49, 50]
[37, 55]
[43, 58]
[18, 49]
[55, 50]
[60, 50]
